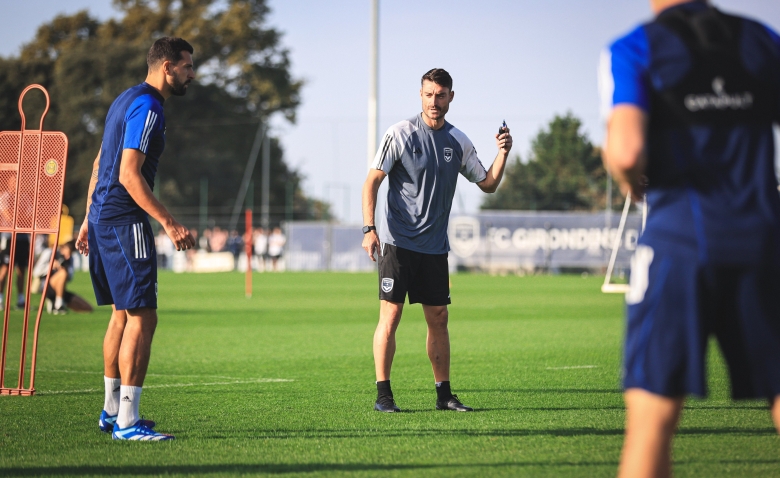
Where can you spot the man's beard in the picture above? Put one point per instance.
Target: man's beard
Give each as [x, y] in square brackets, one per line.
[179, 88]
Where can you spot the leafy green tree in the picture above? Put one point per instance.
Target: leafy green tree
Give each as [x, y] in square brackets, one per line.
[243, 78]
[563, 173]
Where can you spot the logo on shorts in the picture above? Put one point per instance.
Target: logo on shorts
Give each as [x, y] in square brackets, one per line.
[387, 284]
[448, 154]
[155, 289]
[51, 167]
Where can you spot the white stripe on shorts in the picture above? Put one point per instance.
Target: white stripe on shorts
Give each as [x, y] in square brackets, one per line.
[135, 239]
[143, 239]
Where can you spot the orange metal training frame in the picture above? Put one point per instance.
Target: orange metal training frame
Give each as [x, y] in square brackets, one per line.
[32, 178]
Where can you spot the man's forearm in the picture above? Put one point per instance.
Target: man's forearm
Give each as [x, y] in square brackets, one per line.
[630, 179]
[370, 190]
[93, 179]
[139, 190]
[495, 173]
[624, 152]
[90, 191]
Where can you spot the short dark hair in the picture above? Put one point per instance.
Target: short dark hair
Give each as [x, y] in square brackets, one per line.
[167, 49]
[438, 76]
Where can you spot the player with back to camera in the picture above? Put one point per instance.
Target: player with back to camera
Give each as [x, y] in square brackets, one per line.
[690, 99]
[422, 157]
[118, 238]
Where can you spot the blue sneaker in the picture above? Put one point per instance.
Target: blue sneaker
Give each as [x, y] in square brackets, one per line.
[106, 422]
[138, 432]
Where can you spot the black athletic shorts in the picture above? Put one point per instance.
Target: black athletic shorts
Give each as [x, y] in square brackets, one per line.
[424, 276]
[51, 295]
[22, 258]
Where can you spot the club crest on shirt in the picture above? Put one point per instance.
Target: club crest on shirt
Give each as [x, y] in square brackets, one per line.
[387, 284]
[448, 154]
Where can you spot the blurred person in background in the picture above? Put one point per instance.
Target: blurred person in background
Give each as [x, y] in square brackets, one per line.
[218, 241]
[58, 298]
[21, 263]
[235, 246]
[165, 250]
[690, 99]
[260, 248]
[204, 243]
[276, 242]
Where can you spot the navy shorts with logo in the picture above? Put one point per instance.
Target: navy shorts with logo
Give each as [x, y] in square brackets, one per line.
[123, 265]
[675, 304]
[424, 276]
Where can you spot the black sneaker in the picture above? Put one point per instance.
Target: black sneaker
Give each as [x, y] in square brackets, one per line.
[386, 404]
[61, 310]
[453, 404]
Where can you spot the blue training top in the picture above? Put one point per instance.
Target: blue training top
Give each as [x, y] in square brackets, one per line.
[422, 165]
[134, 121]
[710, 144]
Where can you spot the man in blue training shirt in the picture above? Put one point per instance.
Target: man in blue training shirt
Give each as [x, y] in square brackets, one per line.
[690, 99]
[118, 238]
[422, 157]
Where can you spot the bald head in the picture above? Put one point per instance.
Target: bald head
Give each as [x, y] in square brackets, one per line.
[661, 5]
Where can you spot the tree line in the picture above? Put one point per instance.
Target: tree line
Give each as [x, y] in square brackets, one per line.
[563, 172]
[243, 79]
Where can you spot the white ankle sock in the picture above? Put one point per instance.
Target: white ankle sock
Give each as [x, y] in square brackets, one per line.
[111, 403]
[57, 302]
[128, 406]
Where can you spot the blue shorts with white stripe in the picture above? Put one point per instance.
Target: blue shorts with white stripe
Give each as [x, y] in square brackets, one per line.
[123, 265]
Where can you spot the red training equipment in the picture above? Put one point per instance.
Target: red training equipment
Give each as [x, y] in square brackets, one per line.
[32, 178]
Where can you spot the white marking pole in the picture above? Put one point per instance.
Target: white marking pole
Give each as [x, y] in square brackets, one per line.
[373, 82]
[616, 288]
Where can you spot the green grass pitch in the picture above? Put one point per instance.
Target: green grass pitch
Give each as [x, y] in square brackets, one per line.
[283, 384]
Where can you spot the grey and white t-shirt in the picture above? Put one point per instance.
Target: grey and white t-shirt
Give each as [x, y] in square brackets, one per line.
[422, 165]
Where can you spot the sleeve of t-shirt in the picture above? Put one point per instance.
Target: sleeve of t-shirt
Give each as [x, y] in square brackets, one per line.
[622, 70]
[388, 153]
[142, 119]
[775, 38]
[471, 167]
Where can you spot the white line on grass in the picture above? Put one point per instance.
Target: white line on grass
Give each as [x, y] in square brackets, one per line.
[175, 385]
[572, 367]
[91, 372]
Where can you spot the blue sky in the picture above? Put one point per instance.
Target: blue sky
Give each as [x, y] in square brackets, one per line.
[523, 61]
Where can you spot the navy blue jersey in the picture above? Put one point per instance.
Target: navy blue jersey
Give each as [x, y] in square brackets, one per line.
[422, 165]
[134, 121]
[712, 182]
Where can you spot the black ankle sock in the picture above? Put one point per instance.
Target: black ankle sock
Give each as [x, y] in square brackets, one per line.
[443, 392]
[383, 390]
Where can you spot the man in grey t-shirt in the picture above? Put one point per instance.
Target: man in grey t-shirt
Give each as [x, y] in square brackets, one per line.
[422, 157]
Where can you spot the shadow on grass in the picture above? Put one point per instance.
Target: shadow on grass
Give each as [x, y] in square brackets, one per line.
[282, 469]
[279, 469]
[540, 390]
[462, 433]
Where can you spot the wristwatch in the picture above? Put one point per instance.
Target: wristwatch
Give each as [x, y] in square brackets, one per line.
[368, 228]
